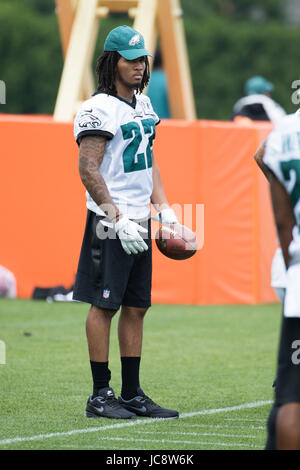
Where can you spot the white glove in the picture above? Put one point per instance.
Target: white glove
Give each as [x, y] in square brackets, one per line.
[128, 233]
[166, 217]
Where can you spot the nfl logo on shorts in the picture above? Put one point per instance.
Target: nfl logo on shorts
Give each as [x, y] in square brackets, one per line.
[106, 293]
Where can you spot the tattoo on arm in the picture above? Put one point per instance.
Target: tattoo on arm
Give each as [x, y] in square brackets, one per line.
[91, 153]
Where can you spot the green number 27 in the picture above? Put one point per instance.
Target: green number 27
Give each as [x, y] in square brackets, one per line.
[291, 174]
[132, 160]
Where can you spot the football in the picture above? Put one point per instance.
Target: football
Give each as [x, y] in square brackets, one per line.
[176, 241]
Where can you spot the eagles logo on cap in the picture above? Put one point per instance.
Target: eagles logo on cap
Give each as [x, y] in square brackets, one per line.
[135, 40]
[128, 42]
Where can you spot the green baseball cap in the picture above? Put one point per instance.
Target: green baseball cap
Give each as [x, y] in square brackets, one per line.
[258, 85]
[127, 42]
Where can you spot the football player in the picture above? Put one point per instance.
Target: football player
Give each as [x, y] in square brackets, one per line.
[115, 131]
[278, 269]
[281, 160]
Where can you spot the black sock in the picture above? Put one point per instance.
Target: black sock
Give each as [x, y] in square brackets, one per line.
[271, 428]
[130, 377]
[101, 376]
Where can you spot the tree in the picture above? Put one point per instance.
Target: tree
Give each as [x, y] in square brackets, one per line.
[31, 58]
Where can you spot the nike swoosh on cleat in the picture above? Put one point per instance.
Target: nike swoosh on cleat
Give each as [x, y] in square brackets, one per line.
[141, 410]
[100, 410]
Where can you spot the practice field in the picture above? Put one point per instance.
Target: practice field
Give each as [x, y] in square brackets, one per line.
[215, 364]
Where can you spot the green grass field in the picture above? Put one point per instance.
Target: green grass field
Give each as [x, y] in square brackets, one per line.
[215, 364]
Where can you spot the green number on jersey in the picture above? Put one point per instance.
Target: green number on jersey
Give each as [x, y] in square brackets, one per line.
[149, 128]
[291, 172]
[132, 160]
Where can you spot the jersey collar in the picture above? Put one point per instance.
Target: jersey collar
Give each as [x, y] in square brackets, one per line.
[132, 105]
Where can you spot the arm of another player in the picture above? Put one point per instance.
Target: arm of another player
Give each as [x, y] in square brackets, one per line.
[283, 214]
[258, 157]
[159, 200]
[91, 153]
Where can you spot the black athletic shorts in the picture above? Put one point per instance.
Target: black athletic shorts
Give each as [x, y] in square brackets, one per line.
[107, 277]
[288, 371]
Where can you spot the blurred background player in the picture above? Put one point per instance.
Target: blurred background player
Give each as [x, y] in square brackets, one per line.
[278, 268]
[8, 283]
[258, 104]
[281, 159]
[115, 130]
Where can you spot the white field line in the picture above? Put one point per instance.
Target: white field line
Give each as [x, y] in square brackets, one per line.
[132, 423]
[171, 441]
[244, 436]
[259, 420]
[224, 426]
[226, 410]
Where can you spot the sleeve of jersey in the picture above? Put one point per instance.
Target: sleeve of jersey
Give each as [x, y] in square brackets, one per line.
[93, 121]
[156, 118]
[152, 112]
[272, 155]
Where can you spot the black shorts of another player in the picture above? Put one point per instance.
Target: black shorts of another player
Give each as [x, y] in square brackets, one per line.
[287, 388]
[107, 277]
[288, 367]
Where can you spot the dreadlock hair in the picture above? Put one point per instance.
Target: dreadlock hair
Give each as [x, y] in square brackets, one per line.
[106, 70]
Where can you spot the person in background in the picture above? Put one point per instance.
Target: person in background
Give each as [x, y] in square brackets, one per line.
[8, 284]
[258, 104]
[281, 162]
[278, 268]
[158, 88]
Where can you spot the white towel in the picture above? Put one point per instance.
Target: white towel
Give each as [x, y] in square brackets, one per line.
[278, 270]
[292, 295]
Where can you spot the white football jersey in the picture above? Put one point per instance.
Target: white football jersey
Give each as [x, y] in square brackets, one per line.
[282, 156]
[127, 163]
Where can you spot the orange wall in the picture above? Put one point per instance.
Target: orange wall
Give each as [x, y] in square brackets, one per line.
[201, 162]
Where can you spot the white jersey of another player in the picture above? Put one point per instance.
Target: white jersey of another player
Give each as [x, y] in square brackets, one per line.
[282, 157]
[127, 163]
[278, 274]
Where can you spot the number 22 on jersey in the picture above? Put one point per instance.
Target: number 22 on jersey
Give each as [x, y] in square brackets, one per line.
[132, 160]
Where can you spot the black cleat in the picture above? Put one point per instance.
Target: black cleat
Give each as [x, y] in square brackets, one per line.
[144, 406]
[105, 405]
